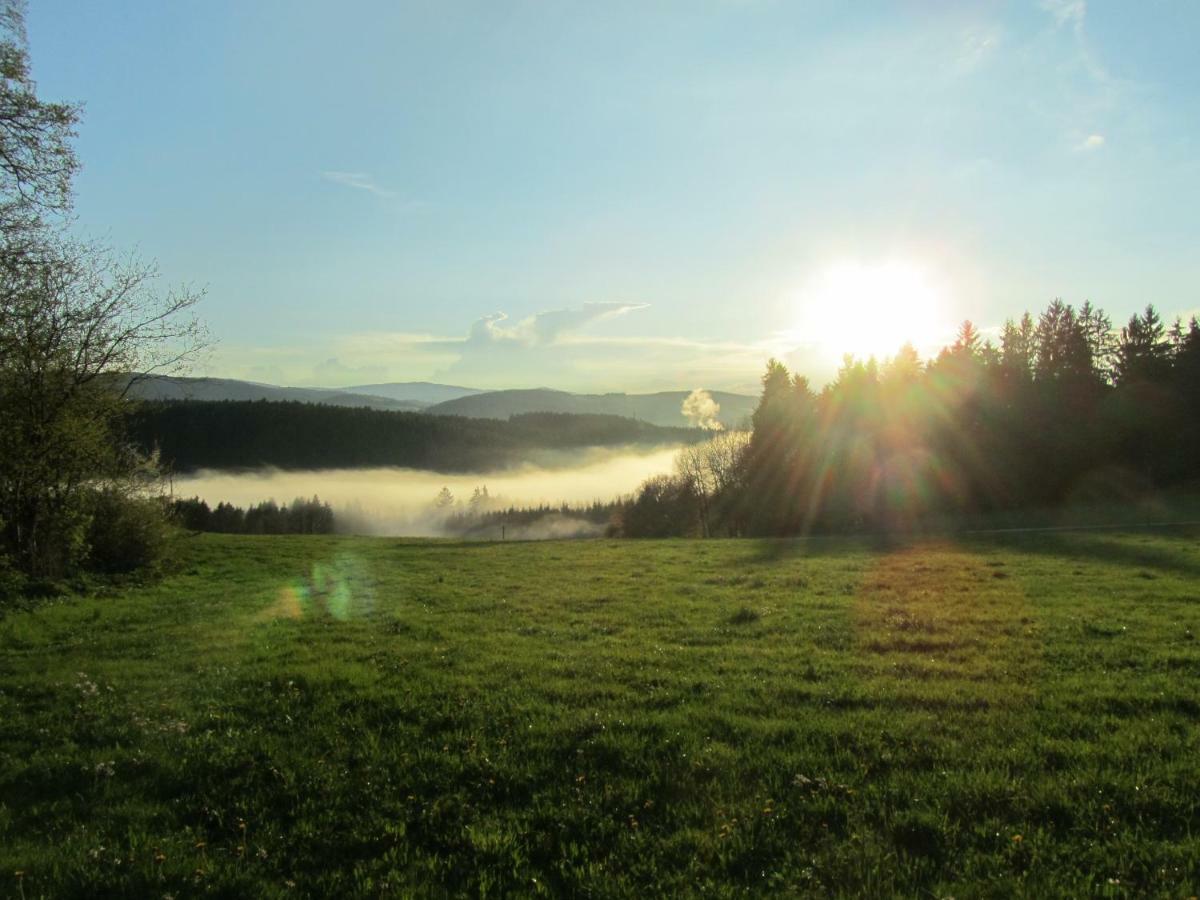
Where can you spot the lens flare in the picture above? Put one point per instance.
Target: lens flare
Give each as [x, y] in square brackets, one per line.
[342, 589]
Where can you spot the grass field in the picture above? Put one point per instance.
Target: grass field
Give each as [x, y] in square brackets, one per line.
[997, 716]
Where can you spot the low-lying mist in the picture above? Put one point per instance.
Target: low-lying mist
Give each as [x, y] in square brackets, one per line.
[404, 502]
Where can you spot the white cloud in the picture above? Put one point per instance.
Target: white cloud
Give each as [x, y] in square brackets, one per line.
[359, 181]
[976, 46]
[549, 349]
[1066, 12]
[1091, 142]
[544, 327]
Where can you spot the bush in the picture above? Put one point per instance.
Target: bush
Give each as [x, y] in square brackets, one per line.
[665, 506]
[12, 581]
[126, 533]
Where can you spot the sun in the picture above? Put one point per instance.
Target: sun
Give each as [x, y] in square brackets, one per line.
[871, 309]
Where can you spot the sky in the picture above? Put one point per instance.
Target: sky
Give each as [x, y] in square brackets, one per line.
[629, 196]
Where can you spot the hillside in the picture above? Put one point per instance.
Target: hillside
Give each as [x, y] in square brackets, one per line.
[664, 408]
[158, 387]
[191, 435]
[423, 392]
[343, 717]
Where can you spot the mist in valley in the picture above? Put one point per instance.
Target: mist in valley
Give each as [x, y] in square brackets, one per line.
[404, 502]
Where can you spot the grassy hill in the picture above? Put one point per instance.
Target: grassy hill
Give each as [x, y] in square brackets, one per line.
[1003, 715]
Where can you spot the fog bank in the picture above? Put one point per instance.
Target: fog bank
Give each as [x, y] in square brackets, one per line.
[395, 501]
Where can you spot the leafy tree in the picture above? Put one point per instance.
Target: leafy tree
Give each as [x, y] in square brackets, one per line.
[37, 161]
[664, 507]
[73, 319]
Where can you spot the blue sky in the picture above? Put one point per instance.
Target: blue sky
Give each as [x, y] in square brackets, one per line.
[629, 196]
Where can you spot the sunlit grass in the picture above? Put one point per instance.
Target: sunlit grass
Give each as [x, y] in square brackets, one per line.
[335, 716]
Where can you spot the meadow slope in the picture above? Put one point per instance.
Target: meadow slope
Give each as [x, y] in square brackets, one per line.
[290, 716]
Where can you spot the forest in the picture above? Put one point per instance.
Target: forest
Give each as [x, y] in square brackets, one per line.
[301, 516]
[1061, 408]
[189, 435]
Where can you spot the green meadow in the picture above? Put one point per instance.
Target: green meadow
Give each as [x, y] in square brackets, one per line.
[996, 715]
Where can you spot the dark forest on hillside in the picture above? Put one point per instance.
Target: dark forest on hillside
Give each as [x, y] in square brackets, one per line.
[1065, 408]
[191, 435]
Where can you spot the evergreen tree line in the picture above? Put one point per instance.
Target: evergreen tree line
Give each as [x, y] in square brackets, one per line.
[476, 522]
[1064, 407]
[189, 435]
[300, 517]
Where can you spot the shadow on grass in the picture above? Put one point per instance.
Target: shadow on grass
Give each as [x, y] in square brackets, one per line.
[1172, 550]
[829, 545]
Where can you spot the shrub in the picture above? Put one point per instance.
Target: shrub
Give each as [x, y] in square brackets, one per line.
[665, 506]
[12, 581]
[126, 532]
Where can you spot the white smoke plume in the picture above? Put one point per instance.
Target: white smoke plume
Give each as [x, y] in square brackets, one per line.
[701, 410]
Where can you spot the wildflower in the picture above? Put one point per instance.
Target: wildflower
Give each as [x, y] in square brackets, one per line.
[1016, 838]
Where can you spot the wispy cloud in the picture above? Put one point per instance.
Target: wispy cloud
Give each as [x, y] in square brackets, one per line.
[359, 181]
[544, 327]
[551, 348]
[976, 45]
[1067, 12]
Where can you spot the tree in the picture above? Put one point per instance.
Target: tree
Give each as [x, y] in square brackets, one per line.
[664, 507]
[37, 161]
[1018, 349]
[76, 325]
[1098, 332]
[1062, 346]
[711, 468]
[1144, 351]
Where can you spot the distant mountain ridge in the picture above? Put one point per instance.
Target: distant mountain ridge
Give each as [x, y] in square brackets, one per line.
[425, 392]
[663, 408]
[160, 387]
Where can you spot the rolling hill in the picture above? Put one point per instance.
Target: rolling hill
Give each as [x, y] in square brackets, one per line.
[662, 408]
[158, 387]
[423, 392]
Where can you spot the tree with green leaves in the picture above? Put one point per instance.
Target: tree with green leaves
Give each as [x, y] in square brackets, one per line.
[76, 323]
